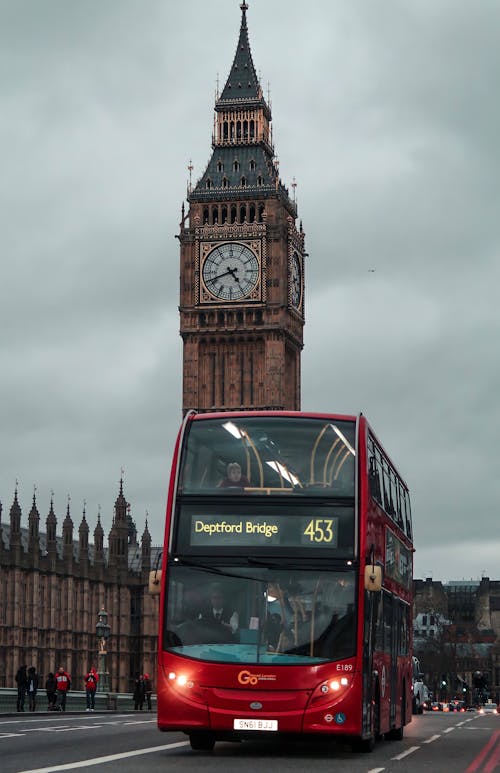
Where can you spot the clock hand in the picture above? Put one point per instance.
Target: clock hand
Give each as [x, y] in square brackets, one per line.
[231, 271]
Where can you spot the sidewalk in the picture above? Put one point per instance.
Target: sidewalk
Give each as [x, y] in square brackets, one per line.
[75, 703]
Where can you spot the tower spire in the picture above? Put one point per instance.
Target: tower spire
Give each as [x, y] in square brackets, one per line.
[242, 83]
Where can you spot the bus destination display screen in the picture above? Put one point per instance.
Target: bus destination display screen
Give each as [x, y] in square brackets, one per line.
[250, 530]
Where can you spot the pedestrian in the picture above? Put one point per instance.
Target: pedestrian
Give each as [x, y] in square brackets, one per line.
[138, 693]
[148, 689]
[50, 689]
[91, 678]
[22, 686]
[63, 685]
[32, 687]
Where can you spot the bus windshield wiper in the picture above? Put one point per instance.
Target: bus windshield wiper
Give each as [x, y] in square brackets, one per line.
[275, 563]
[197, 564]
[214, 570]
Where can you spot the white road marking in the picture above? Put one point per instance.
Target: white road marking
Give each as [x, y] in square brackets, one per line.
[449, 730]
[432, 738]
[406, 753]
[141, 722]
[376, 770]
[68, 728]
[109, 758]
[68, 718]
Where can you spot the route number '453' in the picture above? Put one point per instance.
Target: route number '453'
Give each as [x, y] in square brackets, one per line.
[320, 530]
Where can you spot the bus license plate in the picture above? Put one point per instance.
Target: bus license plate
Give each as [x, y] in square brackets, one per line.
[255, 724]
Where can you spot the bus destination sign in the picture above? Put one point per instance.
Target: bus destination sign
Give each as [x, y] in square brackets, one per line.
[263, 531]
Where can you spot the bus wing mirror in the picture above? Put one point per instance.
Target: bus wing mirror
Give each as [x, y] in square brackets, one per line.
[154, 582]
[373, 578]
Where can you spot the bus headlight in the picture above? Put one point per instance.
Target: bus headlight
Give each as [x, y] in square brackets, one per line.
[331, 689]
[185, 686]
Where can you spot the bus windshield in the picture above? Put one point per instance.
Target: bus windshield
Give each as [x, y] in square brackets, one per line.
[269, 455]
[259, 614]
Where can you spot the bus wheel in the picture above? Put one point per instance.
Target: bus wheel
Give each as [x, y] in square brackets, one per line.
[376, 718]
[202, 742]
[396, 734]
[363, 745]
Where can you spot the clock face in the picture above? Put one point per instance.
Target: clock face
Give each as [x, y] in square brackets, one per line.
[296, 281]
[230, 271]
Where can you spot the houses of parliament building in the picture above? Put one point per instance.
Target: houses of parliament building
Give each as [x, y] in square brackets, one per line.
[52, 587]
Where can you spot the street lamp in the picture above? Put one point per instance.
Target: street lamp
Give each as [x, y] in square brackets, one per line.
[102, 630]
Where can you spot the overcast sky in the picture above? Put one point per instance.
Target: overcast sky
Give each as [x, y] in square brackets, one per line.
[387, 114]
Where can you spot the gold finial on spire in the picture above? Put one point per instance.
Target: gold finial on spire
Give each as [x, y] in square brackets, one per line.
[190, 169]
[244, 6]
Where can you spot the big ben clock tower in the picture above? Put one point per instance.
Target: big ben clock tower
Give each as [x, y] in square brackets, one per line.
[242, 262]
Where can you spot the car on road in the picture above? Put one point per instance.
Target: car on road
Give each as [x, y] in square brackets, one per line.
[456, 706]
[488, 708]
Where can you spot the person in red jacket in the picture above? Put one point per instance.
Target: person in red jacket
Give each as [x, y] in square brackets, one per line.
[91, 679]
[63, 684]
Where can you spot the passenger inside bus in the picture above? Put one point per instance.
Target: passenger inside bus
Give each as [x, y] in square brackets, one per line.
[234, 477]
[286, 616]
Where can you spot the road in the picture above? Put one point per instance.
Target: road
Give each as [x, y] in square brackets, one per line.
[126, 743]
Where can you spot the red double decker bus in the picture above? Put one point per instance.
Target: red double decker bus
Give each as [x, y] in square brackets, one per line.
[286, 582]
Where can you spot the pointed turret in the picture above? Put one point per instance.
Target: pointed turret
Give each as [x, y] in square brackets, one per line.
[51, 530]
[118, 535]
[83, 539]
[242, 82]
[146, 548]
[98, 542]
[68, 536]
[120, 505]
[243, 162]
[132, 528]
[15, 522]
[34, 532]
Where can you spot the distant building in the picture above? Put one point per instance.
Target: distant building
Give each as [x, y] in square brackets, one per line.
[456, 628]
[52, 588]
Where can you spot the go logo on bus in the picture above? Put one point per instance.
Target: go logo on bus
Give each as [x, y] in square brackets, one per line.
[245, 677]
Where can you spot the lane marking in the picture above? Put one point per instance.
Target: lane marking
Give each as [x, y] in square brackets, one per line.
[140, 722]
[109, 758]
[449, 730]
[494, 760]
[432, 738]
[479, 759]
[67, 718]
[376, 770]
[406, 753]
